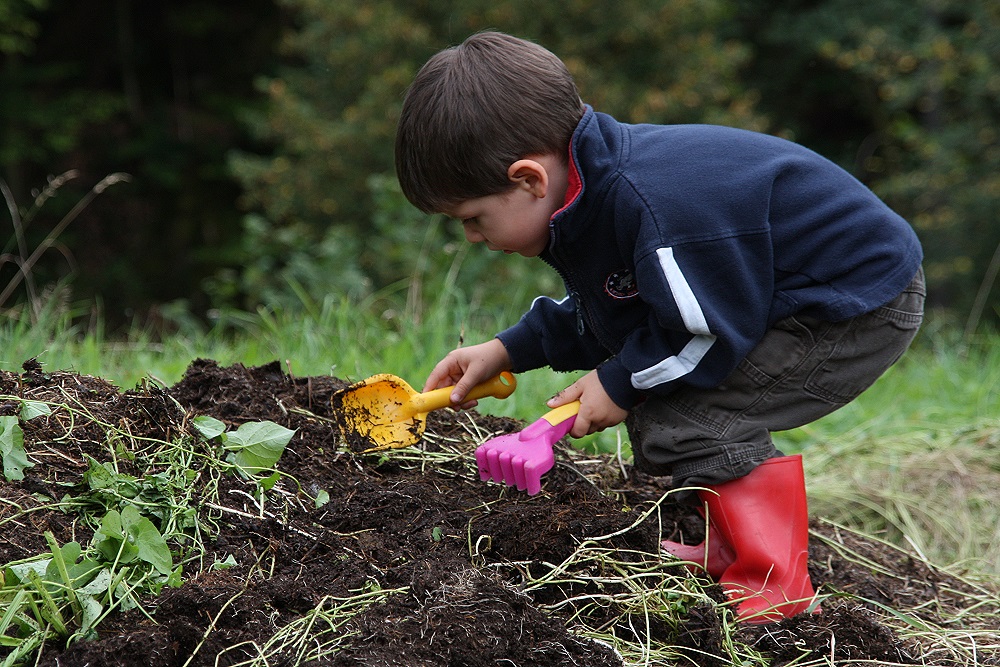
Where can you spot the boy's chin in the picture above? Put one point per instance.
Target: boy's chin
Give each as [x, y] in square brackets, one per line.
[527, 252]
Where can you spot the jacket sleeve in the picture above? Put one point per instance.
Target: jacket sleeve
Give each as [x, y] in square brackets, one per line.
[550, 334]
[709, 304]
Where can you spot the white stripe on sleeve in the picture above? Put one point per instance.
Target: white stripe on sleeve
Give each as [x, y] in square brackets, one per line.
[683, 363]
[687, 302]
[546, 298]
[672, 368]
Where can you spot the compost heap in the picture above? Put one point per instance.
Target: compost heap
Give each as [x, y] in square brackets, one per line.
[445, 569]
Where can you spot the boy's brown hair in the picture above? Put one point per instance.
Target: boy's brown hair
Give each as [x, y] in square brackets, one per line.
[476, 108]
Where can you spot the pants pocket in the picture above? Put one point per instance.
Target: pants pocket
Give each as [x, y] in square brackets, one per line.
[778, 354]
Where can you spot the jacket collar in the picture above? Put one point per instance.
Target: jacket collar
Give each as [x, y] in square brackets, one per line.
[595, 153]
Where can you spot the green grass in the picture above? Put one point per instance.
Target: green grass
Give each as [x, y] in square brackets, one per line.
[916, 459]
[941, 383]
[334, 337]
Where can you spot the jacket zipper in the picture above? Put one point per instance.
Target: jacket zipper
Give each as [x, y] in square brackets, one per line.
[578, 306]
[581, 324]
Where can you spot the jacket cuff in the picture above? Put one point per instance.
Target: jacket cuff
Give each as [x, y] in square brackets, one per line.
[617, 382]
[523, 347]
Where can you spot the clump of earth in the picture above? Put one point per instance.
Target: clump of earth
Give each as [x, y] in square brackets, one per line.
[449, 567]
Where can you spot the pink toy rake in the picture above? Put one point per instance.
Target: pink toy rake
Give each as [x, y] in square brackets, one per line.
[522, 458]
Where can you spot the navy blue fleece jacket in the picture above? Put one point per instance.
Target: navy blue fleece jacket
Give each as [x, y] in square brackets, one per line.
[680, 245]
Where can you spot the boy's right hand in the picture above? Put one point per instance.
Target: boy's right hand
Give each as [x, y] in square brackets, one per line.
[597, 410]
[466, 367]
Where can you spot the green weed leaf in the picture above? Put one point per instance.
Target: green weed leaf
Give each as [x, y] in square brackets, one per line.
[112, 542]
[128, 536]
[68, 553]
[32, 409]
[111, 486]
[152, 548]
[15, 459]
[99, 584]
[176, 577]
[19, 573]
[256, 446]
[229, 562]
[98, 476]
[90, 613]
[210, 428]
[268, 483]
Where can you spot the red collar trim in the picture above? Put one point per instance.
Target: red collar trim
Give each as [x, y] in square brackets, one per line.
[575, 184]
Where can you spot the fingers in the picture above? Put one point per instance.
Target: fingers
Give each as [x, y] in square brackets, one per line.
[597, 410]
[443, 375]
[571, 393]
[466, 367]
[574, 392]
[583, 426]
[464, 386]
[453, 370]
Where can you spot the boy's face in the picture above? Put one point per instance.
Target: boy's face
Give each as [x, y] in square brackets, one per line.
[516, 221]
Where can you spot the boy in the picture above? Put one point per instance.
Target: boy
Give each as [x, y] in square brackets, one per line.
[721, 283]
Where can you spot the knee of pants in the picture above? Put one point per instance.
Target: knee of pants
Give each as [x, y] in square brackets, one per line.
[662, 447]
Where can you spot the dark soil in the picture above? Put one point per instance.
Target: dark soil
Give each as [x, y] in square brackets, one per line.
[451, 553]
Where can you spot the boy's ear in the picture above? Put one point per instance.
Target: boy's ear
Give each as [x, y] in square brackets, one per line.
[530, 175]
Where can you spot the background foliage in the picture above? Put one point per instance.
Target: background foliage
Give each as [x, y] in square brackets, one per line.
[258, 135]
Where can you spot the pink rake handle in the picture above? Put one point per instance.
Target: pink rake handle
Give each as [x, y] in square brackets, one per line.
[522, 458]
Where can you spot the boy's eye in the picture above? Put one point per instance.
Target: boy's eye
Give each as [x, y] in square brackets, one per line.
[470, 221]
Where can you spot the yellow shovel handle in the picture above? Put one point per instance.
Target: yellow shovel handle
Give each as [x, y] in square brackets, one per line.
[501, 386]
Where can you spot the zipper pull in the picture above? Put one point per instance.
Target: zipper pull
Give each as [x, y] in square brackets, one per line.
[580, 328]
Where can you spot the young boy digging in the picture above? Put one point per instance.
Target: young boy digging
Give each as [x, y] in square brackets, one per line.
[722, 284]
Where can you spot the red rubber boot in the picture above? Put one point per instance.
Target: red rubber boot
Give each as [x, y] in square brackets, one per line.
[713, 555]
[761, 525]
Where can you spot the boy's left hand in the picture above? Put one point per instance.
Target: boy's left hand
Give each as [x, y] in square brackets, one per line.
[597, 410]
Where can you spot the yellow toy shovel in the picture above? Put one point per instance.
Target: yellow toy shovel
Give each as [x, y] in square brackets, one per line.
[384, 412]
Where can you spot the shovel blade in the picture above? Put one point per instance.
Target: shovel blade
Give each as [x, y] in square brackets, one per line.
[384, 412]
[377, 414]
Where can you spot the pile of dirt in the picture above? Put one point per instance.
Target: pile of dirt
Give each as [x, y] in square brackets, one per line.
[441, 560]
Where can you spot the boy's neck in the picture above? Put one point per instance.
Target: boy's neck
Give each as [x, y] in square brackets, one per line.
[559, 178]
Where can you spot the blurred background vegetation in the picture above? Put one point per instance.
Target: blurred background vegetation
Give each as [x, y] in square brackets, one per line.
[251, 142]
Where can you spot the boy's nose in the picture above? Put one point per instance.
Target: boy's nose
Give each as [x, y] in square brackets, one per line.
[472, 236]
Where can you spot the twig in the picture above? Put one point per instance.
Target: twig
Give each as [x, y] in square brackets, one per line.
[50, 240]
[211, 627]
[981, 295]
